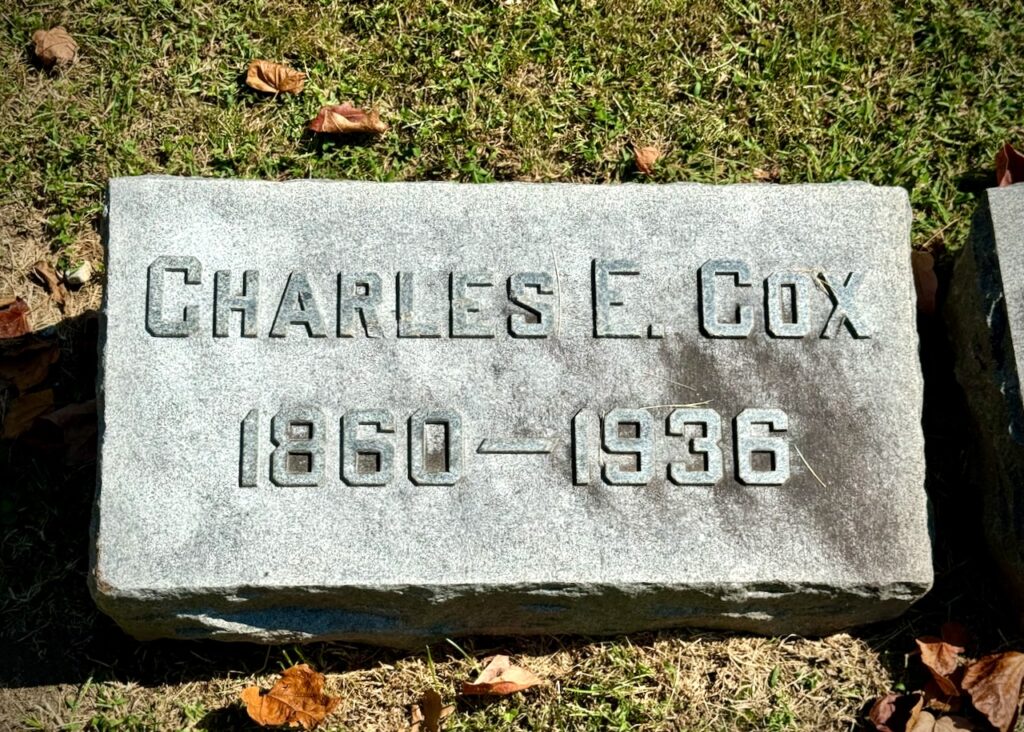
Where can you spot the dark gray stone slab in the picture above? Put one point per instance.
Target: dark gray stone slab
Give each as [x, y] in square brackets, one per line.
[565, 439]
[985, 314]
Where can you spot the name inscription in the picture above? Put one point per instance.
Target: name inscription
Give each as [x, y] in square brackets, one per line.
[533, 297]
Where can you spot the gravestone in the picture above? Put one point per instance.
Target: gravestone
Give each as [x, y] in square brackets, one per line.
[985, 316]
[395, 413]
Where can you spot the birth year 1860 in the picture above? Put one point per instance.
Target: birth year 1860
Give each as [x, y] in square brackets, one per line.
[620, 447]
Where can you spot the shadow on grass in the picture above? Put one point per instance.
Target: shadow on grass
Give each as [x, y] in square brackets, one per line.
[51, 632]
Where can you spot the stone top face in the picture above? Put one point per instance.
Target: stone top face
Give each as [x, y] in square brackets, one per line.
[327, 386]
[1006, 209]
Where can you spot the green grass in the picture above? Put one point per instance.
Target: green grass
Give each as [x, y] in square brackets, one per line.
[914, 94]
[919, 94]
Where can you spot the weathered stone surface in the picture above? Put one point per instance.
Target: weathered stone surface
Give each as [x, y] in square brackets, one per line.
[536, 524]
[985, 315]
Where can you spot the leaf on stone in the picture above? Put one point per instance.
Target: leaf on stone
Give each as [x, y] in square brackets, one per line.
[297, 699]
[429, 712]
[24, 410]
[44, 273]
[942, 659]
[646, 157]
[1009, 166]
[345, 119]
[54, 47]
[14, 319]
[500, 678]
[266, 76]
[994, 685]
[896, 712]
[925, 280]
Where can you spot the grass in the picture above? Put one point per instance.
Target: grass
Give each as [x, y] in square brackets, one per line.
[919, 94]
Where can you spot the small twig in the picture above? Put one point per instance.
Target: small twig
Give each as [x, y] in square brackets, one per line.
[816, 476]
[678, 406]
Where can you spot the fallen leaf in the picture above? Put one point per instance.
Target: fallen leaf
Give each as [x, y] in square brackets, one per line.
[1009, 166]
[500, 678]
[344, 119]
[896, 712]
[68, 433]
[994, 685]
[266, 76]
[942, 660]
[645, 158]
[770, 175]
[296, 699]
[14, 319]
[955, 634]
[54, 46]
[928, 722]
[43, 271]
[29, 366]
[925, 281]
[429, 712]
[24, 410]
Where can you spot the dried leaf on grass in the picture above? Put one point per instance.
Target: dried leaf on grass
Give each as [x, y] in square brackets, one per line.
[14, 319]
[297, 699]
[24, 410]
[345, 119]
[942, 660]
[69, 432]
[925, 281]
[266, 76]
[646, 157]
[994, 685]
[429, 712]
[896, 712]
[27, 365]
[1009, 166]
[54, 46]
[500, 678]
[928, 722]
[44, 273]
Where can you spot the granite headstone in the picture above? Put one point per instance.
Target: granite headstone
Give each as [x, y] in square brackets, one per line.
[985, 317]
[395, 413]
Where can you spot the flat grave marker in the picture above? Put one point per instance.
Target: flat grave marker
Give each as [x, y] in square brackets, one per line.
[400, 412]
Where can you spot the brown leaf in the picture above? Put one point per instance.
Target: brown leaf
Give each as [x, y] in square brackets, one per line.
[54, 46]
[344, 119]
[68, 433]
[44, 273]
[24, 410]
[29, 366]
[500, 678]
[937, 699]
[645, 158]
[1009, 166]
[296, 699]
[429, 712]
[925, 281]
[942, 660]
[994, 685]
[266, 76]
[896, 712]
[14, 319]
[928, 722]
[767, 175]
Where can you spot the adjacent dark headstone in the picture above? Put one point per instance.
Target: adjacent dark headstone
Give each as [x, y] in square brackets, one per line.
[985, 315]
[398, 412]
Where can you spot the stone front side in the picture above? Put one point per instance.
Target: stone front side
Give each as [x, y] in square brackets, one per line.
[401, 412]
[985, 316]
